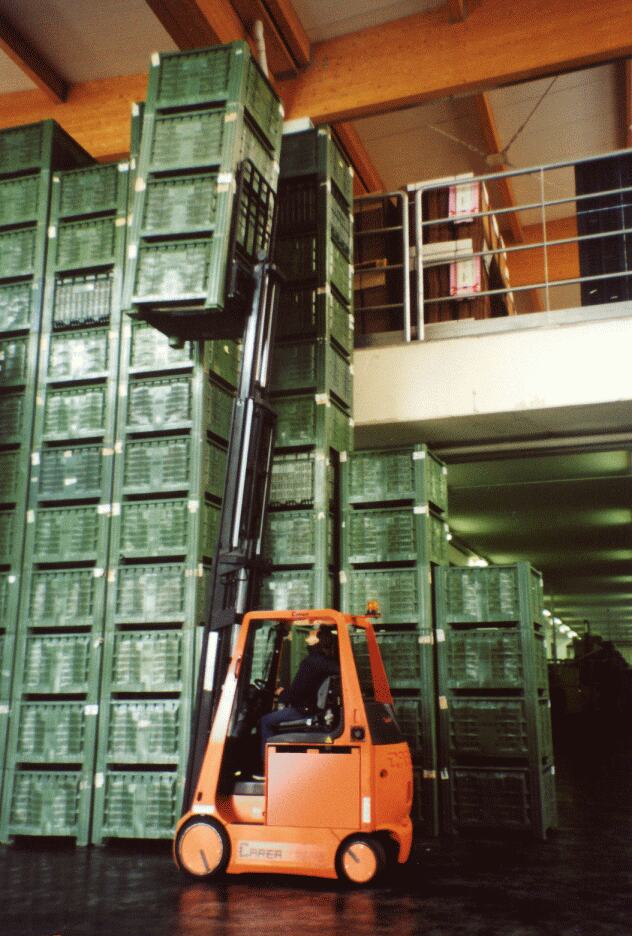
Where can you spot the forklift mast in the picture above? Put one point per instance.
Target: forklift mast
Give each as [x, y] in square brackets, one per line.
[237, 565]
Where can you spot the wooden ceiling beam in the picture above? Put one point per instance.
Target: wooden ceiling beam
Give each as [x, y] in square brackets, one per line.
[287, 45]
[366, 175]
[31, 62]
[193, 24]
[423, 57]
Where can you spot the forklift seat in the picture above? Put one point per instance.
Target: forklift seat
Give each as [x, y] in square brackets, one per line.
[318, 724]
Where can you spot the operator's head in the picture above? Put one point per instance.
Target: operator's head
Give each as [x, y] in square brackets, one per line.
[322, 636]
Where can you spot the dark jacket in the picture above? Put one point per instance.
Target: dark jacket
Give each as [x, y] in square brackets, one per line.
[312, 672]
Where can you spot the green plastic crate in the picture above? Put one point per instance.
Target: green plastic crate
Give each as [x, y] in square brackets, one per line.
[17, 252]
[57, 664]
[82, 299]
[396, 590]
[314, 152]
[74, 413]
[401, 658]
[395, 535]
[8, 524]
[144, 805]
[223, 360]
[66, 534]
[16, 306]
[397, 474]
[86, 243]
[19, 200]
[150, 593]
[492, 728]
[484, 658]
[308, 312]
[148, 661]
[204, 138]
[62, 598]
[39, 146]
[154, 528]
[295, 590]
[150, 350]
[11, 417]
[175, 270]
[316, 366]
[492, 593]
[157, 465]
[89, 191]
[219, 410]
[302, 479]
[312, 421]
[71, 472]
[488, 798]
[215, 74]
[144, 732]
[291, 537]
[46, 803]
[409, 718]
[10, 464]
[76, 355]
[184, 203]
[52, 732]
[13, 361]
[159, 402]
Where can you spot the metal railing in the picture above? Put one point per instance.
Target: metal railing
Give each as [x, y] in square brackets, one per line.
[506, 243]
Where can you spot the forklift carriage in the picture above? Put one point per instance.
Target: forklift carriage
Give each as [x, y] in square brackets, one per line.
[337, 789]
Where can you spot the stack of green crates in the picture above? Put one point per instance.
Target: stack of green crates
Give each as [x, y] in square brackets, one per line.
[494, 708]
[206, 111]
[312, 384]
[50, 754]
[395, 534]
[28, 156]
[173, 423]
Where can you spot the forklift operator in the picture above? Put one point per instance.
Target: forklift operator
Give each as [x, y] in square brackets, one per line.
[300, 699]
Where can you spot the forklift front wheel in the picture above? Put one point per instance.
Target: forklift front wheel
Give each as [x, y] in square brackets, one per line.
[202, 848]
[360, 860]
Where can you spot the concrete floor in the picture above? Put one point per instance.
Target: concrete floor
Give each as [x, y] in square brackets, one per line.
[579, 882]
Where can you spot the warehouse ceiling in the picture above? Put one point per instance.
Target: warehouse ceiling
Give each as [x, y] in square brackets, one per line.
[569, 513]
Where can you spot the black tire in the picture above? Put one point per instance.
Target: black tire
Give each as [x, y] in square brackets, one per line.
[363, 853]
[202, 848]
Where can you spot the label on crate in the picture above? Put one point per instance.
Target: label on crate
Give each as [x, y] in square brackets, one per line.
[342, 578]
[421, 509]
[35, 459]
[322, 399]
[91, 710]
[445, 774]
[155, 59]
[30, 516]
[324, 290]
[104, 509]
[116, 510]
[52, 232]
[56, 179]
[112, 576]
[419, 456]
[225, 178]
[440, 635]
[123, 167]
[429, 774]
[194, 506]
[132, 251]
[443, 703]
[139, 185]
[120, 222]
[426, 639]
[343, 457]
[230, 118]
[98, 573]
[107, 452]
[12, 579]
[99, 780]
[118, 445]
[5, 709]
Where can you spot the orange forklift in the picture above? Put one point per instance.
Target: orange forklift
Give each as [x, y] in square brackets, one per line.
[336, 794]
[337, 787]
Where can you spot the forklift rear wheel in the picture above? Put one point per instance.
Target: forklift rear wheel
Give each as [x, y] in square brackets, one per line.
[360, 860]
[202, 848]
